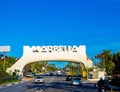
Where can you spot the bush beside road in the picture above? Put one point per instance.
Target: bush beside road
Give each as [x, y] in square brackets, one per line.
[6, 78]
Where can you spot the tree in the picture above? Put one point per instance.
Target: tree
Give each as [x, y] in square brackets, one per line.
[77, 68]
[70, 65]
[74, 68]
[51, 67]
[8, 62]
[37, 66]
[106, 63]
[116, 60]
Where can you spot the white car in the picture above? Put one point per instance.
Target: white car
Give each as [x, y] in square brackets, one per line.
[39, 79]
[77, 81]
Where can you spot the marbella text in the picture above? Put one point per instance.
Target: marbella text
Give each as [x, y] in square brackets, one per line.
[50, 49]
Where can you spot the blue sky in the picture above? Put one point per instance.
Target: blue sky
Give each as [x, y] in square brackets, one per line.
[94, 23]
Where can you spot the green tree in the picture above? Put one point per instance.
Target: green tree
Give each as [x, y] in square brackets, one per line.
[74, 68]
[77, 68]
[106, 63]
[9, 61]
[70, 65]
[116, 60]
[37, 66]
[51, 67]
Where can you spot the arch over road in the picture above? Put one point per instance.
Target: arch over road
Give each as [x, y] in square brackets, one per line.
[49, 53]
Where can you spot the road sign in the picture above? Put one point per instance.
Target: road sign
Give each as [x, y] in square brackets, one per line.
[4, 48]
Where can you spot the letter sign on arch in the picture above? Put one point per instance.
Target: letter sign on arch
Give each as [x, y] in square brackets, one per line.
[49, 53]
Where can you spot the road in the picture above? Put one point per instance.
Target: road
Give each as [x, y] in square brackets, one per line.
[52, 84]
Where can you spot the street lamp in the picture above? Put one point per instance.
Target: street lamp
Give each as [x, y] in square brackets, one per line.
[87, 68]
[4, 49]
[4, 60]
[95, 62]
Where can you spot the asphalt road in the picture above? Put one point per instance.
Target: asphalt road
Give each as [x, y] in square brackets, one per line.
[52, 84]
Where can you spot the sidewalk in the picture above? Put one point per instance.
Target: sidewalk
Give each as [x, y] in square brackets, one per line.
[27, 79]
[10, 84]
[89, 81]
[14, 83]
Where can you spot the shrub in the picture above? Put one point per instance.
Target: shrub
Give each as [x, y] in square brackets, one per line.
[5, 77]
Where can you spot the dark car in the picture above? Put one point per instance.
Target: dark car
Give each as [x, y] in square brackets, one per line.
[77, 81]
[69, 78]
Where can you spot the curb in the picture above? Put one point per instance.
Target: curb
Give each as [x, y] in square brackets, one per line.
[114, 87]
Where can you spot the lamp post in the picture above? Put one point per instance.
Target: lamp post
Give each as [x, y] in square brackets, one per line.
[95, 68]
[87, 73]
[4, 61]
[4, 49]
[87, 68]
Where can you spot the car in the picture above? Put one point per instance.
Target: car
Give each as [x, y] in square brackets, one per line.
[76, 81]
[39, 79]
[46, 74]
[58, 72]
[69, 78]
[51, 74]
[29, 75]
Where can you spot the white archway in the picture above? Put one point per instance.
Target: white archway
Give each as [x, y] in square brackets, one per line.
[48, 53]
